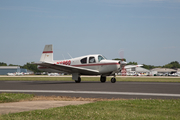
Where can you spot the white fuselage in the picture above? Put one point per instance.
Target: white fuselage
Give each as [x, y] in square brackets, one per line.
[93, 62]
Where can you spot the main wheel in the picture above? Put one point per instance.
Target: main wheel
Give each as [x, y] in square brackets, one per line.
[103, 79]
[113, 80]
[79, 80]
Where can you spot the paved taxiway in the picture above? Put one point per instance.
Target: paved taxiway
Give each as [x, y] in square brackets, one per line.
[126, 90]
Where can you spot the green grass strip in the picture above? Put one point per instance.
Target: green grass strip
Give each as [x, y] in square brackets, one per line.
[134, 79]
[106, 110]
[37, 78]
[148, 79]
[14, 97]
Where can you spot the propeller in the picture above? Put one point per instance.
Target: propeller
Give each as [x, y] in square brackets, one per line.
[122, 63]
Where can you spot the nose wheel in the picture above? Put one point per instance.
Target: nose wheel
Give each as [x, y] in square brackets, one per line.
[113, 80]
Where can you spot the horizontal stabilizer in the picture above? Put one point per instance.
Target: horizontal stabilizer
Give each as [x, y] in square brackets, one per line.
[132, 66]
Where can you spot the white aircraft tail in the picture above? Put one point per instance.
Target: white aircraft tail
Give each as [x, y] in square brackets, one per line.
[47, 54]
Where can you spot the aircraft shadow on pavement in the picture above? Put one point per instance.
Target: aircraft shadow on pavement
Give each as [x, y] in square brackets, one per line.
[62, 82]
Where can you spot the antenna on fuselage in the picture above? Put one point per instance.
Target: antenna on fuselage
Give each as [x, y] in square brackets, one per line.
[63, 56]
[70, 55]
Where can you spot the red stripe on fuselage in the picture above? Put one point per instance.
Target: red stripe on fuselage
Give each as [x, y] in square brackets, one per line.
[96, 64]
[86, 65]
[47, 51]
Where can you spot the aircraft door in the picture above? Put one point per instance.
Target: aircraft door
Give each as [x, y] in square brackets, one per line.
[92, 61]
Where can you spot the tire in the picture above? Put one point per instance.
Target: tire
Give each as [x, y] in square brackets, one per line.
[113, 80]
[103, 79]
[79, 80]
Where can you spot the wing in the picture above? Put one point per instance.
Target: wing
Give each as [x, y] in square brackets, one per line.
[69, 68]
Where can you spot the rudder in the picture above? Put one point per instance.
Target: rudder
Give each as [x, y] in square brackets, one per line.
[47, 54]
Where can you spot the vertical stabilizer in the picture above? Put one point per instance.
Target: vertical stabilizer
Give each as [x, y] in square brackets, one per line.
[47, 54]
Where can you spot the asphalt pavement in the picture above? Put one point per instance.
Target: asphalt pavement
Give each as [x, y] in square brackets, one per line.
[124, 90]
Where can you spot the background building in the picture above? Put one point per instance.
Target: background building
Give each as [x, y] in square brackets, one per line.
[137, 71]
[164, 71]
[11, 69]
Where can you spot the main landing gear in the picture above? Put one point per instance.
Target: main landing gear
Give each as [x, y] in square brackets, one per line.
[79, 80]
[103, 79]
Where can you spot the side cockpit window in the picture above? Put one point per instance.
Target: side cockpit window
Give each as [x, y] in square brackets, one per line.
[92, 60]
[84, 60]
[100, 58]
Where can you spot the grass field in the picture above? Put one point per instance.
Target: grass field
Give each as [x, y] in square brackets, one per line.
[103, 110]
[106, 110]
[140, 79]
[14, 97]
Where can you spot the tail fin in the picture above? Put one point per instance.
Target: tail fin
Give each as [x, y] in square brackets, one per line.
[47, 54]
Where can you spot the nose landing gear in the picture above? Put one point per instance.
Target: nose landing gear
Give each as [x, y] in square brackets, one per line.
[113, 80]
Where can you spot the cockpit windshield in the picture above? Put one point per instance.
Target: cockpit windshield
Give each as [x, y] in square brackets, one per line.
[100, 57]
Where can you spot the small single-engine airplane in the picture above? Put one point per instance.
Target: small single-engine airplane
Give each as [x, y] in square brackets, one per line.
[95, 64]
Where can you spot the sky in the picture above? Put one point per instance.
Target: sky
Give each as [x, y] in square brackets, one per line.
[147, 31]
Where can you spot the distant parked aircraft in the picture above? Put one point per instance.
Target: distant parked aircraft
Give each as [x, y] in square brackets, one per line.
[15, 74]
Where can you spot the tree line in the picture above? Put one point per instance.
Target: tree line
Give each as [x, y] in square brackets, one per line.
[28, 66]
[172, 65]
[33, 67]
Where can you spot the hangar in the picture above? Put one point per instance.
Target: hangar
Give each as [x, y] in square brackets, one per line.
[153, 72]
[163, 71]
[11, 69]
